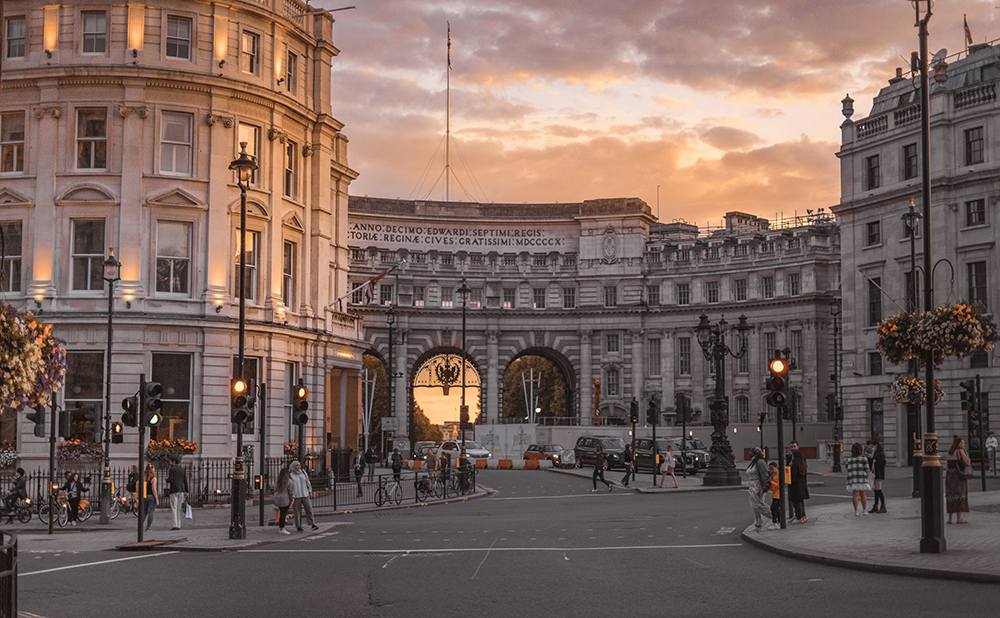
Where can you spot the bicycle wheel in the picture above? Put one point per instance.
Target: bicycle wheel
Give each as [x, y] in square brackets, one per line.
[86, 510]
[438, 488]
[23, 514]
[63, 516]
[423, 489]
[116, 508]
[43, 513]
[397, 494]
[379, 496]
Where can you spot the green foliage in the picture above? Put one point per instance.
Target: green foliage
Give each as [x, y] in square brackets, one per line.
[376, 371]
[551, 390]
[423, 429]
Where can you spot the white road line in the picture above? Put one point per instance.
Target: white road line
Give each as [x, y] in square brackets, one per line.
[484, 559]
[453, 550]
[89, 564]
[588, 494]
[830, 496]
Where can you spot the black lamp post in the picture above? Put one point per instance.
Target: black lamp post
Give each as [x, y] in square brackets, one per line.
[838, 410]
[932, 539]
[712, 339]
[244, 167]
[910, 217]
[463, 414]
[112, 274]
[390, 373]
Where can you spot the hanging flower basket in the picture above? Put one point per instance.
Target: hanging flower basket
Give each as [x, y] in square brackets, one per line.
[162, 451]
[32, 360]
[76, 451]
[291, 449]
[950, 330]
[911, 390]
[896, 336]
[8, 455]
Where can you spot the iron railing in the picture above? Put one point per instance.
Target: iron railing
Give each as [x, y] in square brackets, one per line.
[8, 575]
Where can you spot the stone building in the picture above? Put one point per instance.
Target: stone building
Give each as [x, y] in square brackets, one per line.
[880, 174]
[118, 125]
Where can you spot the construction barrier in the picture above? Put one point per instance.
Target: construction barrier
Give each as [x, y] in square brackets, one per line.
[481, 464]
[505, 464]
[531, 464]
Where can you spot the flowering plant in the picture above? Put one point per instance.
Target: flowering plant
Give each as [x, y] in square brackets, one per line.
[896, 338]
[912, 390]
[8, 455]
[77, 450]
[949, 330]
[32, 360]
[163, 450]
[291, 449]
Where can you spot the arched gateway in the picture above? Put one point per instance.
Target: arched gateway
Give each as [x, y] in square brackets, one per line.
[604, 293]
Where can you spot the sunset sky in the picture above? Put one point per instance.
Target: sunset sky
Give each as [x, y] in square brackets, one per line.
[726, 105]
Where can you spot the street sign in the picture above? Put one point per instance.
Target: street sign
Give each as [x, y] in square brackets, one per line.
[390, 423]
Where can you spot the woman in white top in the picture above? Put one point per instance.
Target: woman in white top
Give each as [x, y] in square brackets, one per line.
[667, 467]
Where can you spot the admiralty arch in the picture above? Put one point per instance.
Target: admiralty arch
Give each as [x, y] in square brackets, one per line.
[605, 293]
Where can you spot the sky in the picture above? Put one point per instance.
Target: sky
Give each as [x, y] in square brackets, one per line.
[696, 107]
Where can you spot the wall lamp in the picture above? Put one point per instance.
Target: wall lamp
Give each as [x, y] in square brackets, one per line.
[222, 62]
[135, 53]
[280, 80]
[48, 53]
[218, 308]
[38, 303]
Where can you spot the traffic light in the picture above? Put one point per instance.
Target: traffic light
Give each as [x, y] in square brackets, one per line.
[91, 424]
[634, 411]
[652, 413]
[968, 394]
[117, 435]
[300, 405]
[463, 415]
[131, 415]
[38, 418]
[831, 406]
[65, 424]
[240, 393]
[682, 407]
[151, 404]
[777, 383]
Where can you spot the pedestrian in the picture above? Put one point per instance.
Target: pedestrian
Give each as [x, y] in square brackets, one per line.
[775, 497]
[359, 469]
[149, 495]
[431, 460]
[18, 491]
[283, 498]
[371, 459]
[74, 493]
[628, 458]
[878, 475]
[991, 451]
[599, 470]
[798, 489]
[667, 466]
[302, 494]
[397, 464]
[956, 485]
[758, 483]
[857, 478]
[177, 490]
[132, 484]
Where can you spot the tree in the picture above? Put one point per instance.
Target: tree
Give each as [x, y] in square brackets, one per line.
[423, 429]
[376, 371]
[551, 390]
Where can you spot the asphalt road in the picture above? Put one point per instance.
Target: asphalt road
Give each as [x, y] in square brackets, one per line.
[544, 545]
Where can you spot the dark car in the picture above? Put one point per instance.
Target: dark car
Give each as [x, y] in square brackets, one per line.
[544, 451]
[586, 450]
[645, 459]
[694, 447]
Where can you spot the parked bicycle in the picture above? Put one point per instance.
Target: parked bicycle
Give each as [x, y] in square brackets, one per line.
[388, 492]
[62, 510]
[430, 485]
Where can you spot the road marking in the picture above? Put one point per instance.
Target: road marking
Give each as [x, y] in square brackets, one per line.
[484, 559]
[89, 564]
[830, 496]
[725, 530]
[588, 494]
[453, 550]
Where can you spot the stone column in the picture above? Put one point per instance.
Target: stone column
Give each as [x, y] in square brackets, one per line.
[667, 371]
[492, 384]
[43, 257]
[586, 377]
[136, 237]
[638, 379]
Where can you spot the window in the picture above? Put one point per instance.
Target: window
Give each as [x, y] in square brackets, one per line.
[872, 177]
[173, 371]
[173, 257]
[569, 298]
[476, 298]
[10, 268]
[712, 291]
[974, 146]
[874, 364]
[357, 293]
[88, 254]
[975, 212]
[653, 357]
[15, 37]
[509, 260]
[175, 144]
[418, 258]
[793, 284]
[684, 356]
[12, 142]
[95, 26]
[252, 262]
[653, 295]
[250, 54]
[359, 255]
[418, 296]
[743, 364]
[741, 250]
[980, 360]
[910, 161]
[770, 345]
[684, 255]
[610, 296]
[767, 286]
[741, 289]
[611, 344]
[569, 259]
[767, 246]
[538, 260]
[683, 294]
[91, 139]
[288, 271]
[251, 136]
[874, 301]
[538, 298]
[385, 294]
[291, 169]
[873, 233]
[797, 349]
[447, 297]
[611, 383]
[178, 38]
[977, 284]
[447, 259]
[84, 391]
[742, 410]
[509, 298]
[291, 72]
[712, 253]
[387, 257]
[477, 259]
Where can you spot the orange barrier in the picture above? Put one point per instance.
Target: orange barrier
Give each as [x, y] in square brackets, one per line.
[531, 464]
[480, 464]
[505, 464]
[416, 464]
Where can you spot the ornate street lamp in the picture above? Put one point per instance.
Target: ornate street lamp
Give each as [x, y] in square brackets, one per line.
[910, 218]
[838, 411]
[712, 339]
[932, 539]
[112, 274]
[463, 414]
[244, 166]
[390, 373]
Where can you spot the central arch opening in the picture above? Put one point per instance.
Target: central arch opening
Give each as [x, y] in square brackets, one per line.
[536, 390]
[437, 389]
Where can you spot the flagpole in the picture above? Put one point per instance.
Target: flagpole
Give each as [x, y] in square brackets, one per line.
[447, 134]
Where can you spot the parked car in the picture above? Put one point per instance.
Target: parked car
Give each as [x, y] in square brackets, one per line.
[551, 452]
[453, 448]
[586, 449]
[645, 455]
[696, 448]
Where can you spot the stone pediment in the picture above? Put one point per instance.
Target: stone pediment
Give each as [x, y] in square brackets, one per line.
[89, 195]
[10, 198]
[176, 198]
[292, 221]
[255, 210]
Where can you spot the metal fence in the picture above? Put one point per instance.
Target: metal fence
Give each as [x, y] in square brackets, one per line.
[8, 575]
[347, 494]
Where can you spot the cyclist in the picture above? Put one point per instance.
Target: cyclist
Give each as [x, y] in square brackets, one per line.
[19, 490]
[132, 485]
[397, 464]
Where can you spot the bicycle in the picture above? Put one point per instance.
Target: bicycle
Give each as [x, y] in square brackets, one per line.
[61, 511]
[21, 509]
[388, 492]
[430, 485]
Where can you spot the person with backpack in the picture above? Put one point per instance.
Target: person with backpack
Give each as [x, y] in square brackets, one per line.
[359, 469]
[599, 463]
[397, 464]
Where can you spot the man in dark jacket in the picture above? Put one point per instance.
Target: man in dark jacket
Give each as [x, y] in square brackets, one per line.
[628, 458]
[359, 469]
[177, 487]
[19, 490]
[599, 470]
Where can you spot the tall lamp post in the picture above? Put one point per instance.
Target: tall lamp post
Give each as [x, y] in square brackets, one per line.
[932, 539]
[463, 413]
[910, 218]
[112, 274]
[712, 339]
[838, 409]
[244, 167]
[390, 372]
